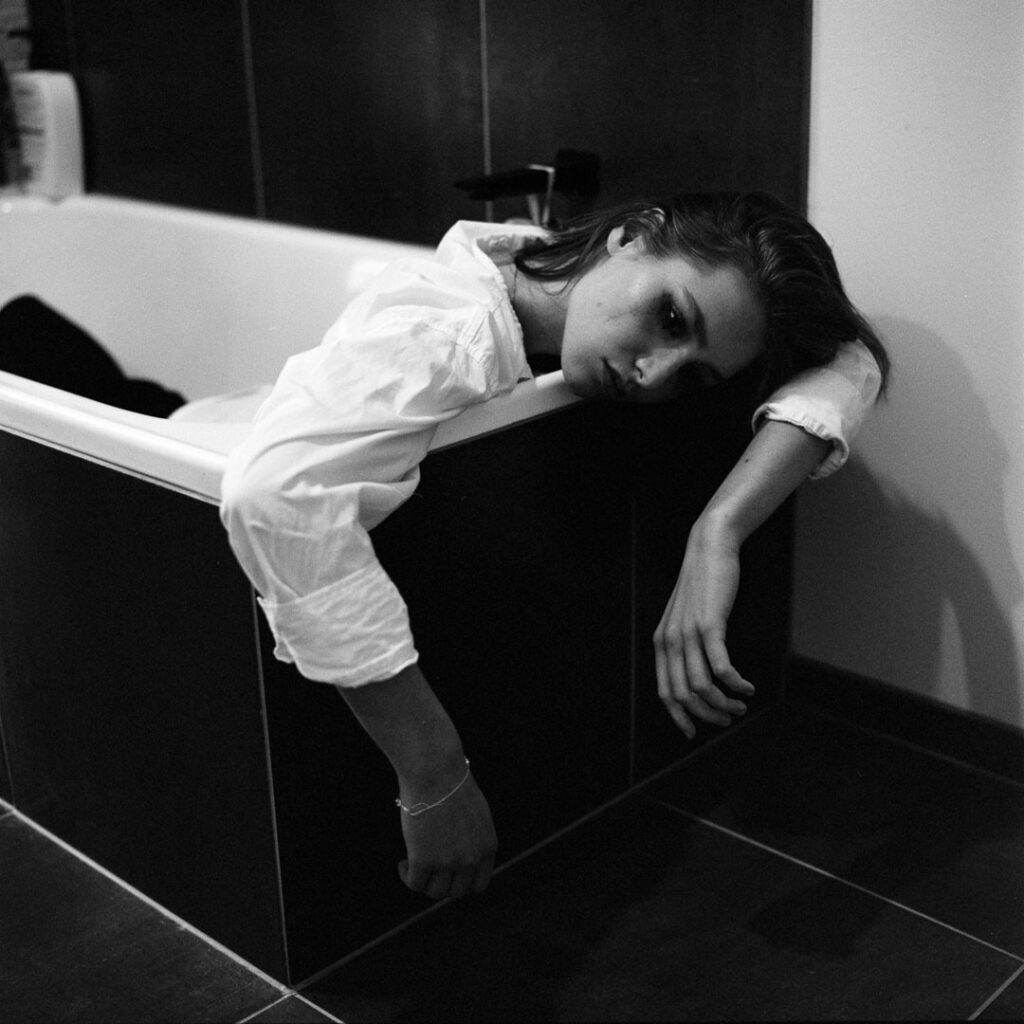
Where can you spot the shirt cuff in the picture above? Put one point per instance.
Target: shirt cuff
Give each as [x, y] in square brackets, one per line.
[353, 632]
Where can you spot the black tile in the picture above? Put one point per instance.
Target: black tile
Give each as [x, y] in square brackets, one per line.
[673, 96]
[1009, 1004]
[935, 836]
[642, 914]
[369, 112]
[78, 947]
[133, 722]
[164, 101]
[290, 1010]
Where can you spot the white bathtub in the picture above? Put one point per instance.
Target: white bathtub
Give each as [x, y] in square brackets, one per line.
[201, 303]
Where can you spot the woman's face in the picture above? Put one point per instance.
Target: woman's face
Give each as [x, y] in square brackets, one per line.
[634, 320]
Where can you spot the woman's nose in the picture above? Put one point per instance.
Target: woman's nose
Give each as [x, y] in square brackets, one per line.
[658, 367]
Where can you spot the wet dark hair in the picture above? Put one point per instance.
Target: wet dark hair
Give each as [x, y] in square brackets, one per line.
[788, 263]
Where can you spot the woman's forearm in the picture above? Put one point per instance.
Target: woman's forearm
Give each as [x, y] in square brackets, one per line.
[406, 720]
[450, 841]
[777, 460]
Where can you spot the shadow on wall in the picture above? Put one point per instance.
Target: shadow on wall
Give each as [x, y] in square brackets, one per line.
[919, 607]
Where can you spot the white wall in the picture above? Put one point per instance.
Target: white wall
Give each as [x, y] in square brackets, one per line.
[910, 561]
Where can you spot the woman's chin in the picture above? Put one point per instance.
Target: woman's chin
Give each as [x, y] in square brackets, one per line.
[581, 384]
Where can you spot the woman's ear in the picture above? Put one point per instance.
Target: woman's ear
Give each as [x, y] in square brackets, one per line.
[629, 237]
[623, 239]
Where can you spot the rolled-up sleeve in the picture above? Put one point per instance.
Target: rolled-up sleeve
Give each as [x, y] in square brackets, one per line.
[334, 449]
[298, 514]
[830, 402]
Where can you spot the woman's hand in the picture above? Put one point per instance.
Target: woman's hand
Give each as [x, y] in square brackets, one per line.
[451, 847]
[695, 675]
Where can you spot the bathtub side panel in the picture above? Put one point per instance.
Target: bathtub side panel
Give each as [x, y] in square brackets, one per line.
[513, 558]
[130, 696]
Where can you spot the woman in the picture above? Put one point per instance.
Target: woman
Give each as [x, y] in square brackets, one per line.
[629, 300]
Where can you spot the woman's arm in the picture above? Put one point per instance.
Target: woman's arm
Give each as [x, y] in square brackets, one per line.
[450, 847]
[692, 662]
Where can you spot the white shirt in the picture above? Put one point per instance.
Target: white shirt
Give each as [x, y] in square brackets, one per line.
[336, 446]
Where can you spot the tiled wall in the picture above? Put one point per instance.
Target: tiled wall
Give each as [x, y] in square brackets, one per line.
[359, 115]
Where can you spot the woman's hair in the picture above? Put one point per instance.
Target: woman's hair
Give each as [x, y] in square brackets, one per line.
[788, 263]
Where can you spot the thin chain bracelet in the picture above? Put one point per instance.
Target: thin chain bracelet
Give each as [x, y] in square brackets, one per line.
[423, 808]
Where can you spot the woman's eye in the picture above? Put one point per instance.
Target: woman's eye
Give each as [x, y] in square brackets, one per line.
[672, 321]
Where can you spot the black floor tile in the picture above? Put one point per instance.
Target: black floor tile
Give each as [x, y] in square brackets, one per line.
[932, 835]
[644, 914]
[290, 1010]
[78, 947]
[1009, 1005]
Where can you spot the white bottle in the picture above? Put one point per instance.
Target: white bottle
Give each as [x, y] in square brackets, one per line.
[47, 114]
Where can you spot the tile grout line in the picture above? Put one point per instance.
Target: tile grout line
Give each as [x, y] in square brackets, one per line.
[289, 995]
[835, 878]
[427, 911]
[255, 143]
[485, 101]
[275, 837]
[632, 791]
[998, 992]
[148, 900]
[319, 1009]
[633, 647]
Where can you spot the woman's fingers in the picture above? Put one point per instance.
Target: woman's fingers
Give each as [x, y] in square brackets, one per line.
[666, 691]
[725, 673]
[482, 876]
[691, 672]
[441, 885]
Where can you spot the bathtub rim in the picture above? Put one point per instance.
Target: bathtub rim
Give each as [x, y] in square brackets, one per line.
[190, 457]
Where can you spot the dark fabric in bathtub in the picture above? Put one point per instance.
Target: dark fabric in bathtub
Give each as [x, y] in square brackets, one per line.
[39, 343]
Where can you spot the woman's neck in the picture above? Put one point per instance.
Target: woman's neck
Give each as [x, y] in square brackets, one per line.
[540, 307]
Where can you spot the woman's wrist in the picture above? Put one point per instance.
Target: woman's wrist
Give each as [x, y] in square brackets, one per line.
[716, 527]
[433, 782]
[425, 769]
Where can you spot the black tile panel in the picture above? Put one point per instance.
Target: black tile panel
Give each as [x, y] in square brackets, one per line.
[368, 113]
[934, 836]
[130, 702]
[164, 101]
[360, 116]
[674, 97]
[77, 947]
[642, 914]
